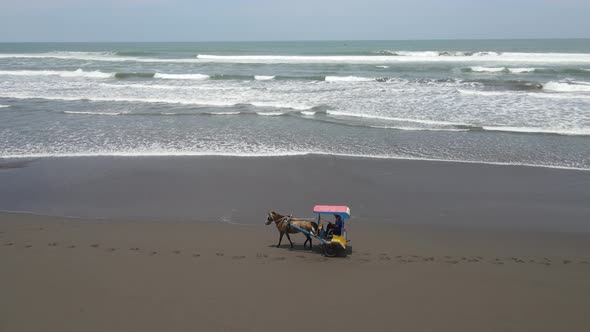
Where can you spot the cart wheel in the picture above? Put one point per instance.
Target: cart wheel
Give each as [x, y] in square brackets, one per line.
[330, 250]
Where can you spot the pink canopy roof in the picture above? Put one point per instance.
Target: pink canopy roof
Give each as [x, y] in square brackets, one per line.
[341, 210]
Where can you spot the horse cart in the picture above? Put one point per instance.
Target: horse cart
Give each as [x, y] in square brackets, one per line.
[333, 240]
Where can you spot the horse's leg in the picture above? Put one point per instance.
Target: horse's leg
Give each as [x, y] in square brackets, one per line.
[288, 237]
[307, 239]
[310, 243]
[280, 239]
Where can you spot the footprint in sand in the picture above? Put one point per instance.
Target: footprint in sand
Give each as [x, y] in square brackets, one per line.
[9, 244]
[52, 244]
[196, 255]
[111, 249]
[220, 254]
[238, 257]
[96, 245]
[153, 253]
[134, 249]
[384, 258]
[473, 260]
[176, 252]
[72, 246]
[452, 262]
[566, 261]
[259, 255]
[28, 246]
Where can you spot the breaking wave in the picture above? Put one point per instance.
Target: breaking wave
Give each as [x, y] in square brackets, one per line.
[181, 76]
[76, 73]
[567, 86]
[263, 78]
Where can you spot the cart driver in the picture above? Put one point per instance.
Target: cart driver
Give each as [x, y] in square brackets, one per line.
[338, 224]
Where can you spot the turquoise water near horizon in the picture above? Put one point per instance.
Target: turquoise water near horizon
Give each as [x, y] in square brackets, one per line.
[490, 101]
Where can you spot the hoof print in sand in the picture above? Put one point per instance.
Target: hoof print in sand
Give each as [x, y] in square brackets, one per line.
[134, 249]
[238, 257]
[153, 253]
[72, 246]
[111, 249]
[196, 255]
[28, 246]
[96, 245]
[176, 252]
[220, 254]
[52, 244]
[259, 255]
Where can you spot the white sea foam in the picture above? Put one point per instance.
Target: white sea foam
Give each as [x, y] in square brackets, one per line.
[398, 119]
[270, 113]
[263, 78]
[348, 79]
[175, 153]
[478, 69]
[419, 128]
[567, 86]
[181, 76]
[384, 67]
[548, 95]
[224, 113]
[555, 58]
[76, 73]
[308, 113]
[92, 113]
[521, 70]
[180, 101]
[4, 106]
[534, 130]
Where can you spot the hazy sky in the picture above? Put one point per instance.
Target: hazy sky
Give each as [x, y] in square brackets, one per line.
[186, 20]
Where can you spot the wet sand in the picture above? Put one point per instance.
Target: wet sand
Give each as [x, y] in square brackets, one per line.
[181, 245]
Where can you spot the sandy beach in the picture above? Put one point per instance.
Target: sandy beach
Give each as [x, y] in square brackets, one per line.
[179, 244]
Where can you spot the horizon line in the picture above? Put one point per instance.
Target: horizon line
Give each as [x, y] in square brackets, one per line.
[299, 40]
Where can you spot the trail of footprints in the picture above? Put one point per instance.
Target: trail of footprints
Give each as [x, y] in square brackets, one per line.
[314, 256]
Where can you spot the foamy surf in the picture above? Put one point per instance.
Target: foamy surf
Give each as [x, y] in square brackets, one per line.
[567, 86]
[271, 113]
[92, 113]
[4, 106]
[76, 73]
[263, 78]
[348, 79]
[198, 77]
[533, 130]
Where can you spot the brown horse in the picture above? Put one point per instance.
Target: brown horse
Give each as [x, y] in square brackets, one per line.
[283, 226]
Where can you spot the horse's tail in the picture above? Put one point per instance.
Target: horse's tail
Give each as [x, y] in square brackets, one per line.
[314, 227]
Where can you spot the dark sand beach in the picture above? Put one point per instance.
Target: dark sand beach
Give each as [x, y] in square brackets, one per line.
[178, 243]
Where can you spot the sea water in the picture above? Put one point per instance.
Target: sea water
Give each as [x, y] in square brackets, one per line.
[496, 101]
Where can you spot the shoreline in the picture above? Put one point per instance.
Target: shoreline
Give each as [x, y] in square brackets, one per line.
[240, 190]
[34, 157]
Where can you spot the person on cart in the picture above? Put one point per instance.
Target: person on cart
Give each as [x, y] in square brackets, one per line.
[336, 227]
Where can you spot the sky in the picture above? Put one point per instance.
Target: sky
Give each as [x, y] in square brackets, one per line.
[252, 20]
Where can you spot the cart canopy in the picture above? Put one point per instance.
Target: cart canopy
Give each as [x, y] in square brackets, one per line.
[341, 210]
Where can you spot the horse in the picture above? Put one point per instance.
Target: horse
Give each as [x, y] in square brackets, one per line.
[282, 223]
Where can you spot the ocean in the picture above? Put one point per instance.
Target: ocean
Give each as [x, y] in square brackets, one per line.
[521, 102]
